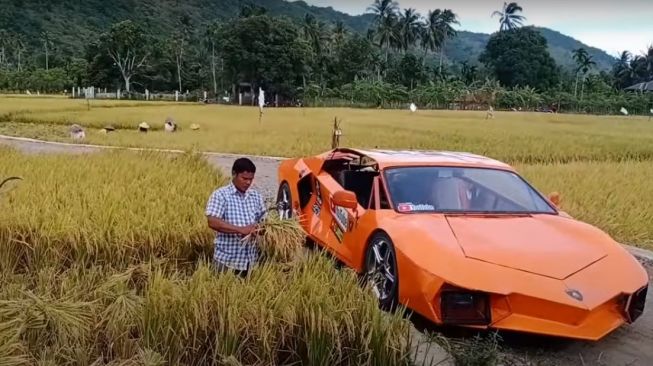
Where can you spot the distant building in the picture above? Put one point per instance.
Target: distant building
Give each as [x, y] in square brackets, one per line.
[642, 87]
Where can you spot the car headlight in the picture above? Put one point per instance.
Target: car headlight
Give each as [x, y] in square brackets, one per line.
[458, 306]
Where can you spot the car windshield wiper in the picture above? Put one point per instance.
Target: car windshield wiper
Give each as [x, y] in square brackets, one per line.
[491, 213]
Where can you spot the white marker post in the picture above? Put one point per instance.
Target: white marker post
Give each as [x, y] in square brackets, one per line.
[261, 103]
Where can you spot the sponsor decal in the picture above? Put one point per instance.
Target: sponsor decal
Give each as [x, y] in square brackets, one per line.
[317, 206]
[337, 230]
[318, 191]
[411, 207]
[341, 216]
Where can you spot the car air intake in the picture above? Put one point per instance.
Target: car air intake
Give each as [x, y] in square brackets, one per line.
[465, 307]
[636, 304]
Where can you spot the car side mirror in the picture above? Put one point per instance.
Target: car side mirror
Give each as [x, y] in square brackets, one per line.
[346, 199]
[555, 198]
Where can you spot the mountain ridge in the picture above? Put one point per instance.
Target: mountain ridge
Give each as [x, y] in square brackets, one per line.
[72, 25]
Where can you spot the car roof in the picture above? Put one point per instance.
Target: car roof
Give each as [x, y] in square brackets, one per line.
[389, 158]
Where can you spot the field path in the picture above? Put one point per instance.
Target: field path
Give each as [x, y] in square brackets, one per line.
[630, 345]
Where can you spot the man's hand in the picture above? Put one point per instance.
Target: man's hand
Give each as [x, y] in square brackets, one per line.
[246, 230]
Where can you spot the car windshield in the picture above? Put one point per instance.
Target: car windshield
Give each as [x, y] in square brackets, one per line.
[462, 190]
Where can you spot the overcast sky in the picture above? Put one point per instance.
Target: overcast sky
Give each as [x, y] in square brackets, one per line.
[607, 24]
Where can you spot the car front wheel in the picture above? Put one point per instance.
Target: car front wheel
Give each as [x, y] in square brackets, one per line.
[381, 270]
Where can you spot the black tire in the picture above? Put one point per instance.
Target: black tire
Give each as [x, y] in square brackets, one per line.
[284, 203]
[387, 294]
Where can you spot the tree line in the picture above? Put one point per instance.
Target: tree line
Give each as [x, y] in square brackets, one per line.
[400, 59]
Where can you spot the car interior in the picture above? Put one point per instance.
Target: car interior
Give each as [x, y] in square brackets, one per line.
[353, 175]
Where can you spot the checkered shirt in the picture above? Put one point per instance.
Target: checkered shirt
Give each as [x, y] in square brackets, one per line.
[239, 209]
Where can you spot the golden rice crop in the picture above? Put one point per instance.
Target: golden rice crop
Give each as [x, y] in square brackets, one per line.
[311, 314]
[616, 197]
[512, 136]
[114, 208]
[102, 261]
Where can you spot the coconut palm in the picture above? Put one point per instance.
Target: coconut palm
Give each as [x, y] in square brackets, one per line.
[508, 17]
[584, 63]
[383, 9]
[441, 25]
[339, 33]
[408, 28]
[648, 61]
[622, 71]
[385, 23]
[317, 35]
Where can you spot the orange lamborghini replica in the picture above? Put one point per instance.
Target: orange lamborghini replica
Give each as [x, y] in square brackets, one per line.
[463, 240]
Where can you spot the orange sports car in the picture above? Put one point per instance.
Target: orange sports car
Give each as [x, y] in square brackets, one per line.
[463, 240]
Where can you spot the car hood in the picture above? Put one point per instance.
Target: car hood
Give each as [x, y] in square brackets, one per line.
[545, 245]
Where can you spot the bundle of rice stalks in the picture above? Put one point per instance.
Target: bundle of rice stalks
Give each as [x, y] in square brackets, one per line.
[279, 240]
[12, 351]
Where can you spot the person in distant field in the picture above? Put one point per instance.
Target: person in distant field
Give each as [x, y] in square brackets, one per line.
[234, 211]
[490, 113]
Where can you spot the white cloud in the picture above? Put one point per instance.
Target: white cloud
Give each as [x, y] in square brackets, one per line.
[610, 25]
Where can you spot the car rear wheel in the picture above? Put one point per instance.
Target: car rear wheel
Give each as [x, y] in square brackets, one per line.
[284, 202]
[381, 270]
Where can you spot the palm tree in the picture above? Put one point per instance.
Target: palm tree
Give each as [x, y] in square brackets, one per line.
[210, 35]
[508, 17]
[46, 37]
[441, 26]
[317, 35]
[339, 33]
[426, 40]
[409, 28]
[383, 9]
[385, 34]
[622, 71]
[648, 61]
[584, 63]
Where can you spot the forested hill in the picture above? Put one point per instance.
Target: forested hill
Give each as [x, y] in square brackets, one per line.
[71, 24]
[468, 46]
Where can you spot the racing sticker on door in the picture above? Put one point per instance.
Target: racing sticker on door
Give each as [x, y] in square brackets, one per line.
[317, 206]
[341, 222]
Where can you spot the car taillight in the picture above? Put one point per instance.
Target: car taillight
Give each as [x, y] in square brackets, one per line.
[636, 303]
[465, 307]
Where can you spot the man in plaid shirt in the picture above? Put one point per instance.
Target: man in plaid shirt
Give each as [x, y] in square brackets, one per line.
[233, 212]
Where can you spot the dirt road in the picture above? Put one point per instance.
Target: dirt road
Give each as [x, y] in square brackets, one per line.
[631, 345]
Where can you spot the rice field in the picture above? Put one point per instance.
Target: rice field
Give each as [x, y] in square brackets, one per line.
[104, 257]
[104, 261]
[511, 136]
[602, 165]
